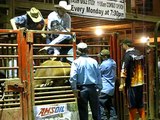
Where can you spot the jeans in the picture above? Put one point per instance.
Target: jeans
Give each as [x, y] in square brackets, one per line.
[89, 94]
[107, 108]
[61, 39]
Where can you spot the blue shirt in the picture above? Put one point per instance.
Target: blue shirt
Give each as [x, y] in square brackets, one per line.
[108, 74]
[84, 71]
[25, 21]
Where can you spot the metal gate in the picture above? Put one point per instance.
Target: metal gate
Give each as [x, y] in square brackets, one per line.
[19, 60]
[20, 100]
[12, 102]
[57, 95]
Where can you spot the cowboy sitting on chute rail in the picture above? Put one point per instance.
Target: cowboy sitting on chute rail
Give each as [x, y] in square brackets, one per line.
[32, 20]
[60, 21]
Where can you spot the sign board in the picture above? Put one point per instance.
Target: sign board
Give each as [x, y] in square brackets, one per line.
[107, 9]
[60, 111]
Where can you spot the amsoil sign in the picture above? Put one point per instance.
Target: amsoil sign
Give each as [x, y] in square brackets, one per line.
[111, 9]
[50, 110]
[61, 111]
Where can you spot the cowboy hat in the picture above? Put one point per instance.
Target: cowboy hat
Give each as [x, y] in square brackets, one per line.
[63, 5]
[35, 14]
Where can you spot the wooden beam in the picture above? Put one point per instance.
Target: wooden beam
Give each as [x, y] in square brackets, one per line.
[39, 5]
[4, 6]
[4, 19]
[140, 17]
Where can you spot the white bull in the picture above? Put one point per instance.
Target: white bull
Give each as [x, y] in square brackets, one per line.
[52, 72]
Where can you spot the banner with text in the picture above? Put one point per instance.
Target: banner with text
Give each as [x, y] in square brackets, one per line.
[108, 9]
[60, 111]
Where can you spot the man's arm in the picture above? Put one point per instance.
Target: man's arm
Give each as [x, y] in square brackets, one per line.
[43, 29]
[122, 84]
[125, 66]
[73, 80]
[13, 23]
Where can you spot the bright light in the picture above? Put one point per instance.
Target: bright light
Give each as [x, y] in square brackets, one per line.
[98, 32]
[144, 39]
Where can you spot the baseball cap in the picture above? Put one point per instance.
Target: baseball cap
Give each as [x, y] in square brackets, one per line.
[104, 52]
[127, 42]
[82, 45]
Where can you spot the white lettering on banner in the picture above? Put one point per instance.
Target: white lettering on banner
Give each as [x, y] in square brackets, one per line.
[99, 8]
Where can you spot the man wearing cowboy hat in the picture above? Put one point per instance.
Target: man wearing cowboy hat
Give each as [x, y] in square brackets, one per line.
[60, 21]
[32, 20]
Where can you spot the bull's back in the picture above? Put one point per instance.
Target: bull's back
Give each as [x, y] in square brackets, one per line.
[58, 69]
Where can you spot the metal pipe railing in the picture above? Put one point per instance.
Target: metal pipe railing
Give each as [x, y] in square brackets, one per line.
[156, 70]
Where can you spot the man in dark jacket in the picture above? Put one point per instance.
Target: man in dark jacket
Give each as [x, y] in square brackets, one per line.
[132, 78]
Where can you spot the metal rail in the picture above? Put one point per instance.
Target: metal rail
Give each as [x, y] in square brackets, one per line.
[156, 70]
[53, 97]
[53, 88]
[51, 77]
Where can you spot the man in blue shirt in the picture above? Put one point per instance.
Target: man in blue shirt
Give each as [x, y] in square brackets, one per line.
[32, 20]
[108, 75]
[85, 77]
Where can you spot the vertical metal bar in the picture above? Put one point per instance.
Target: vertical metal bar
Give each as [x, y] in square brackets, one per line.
[128, 6]
[30, 76]
[133, 30]
[115, 57]
[156, 69]
[22, 71]
[11, 11]
[114, 49]
[122, 99]
[111, 46]
[118, 56]
[74, 46]
[150, 74]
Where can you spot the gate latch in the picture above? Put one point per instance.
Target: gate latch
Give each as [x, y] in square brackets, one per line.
[14, 85]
